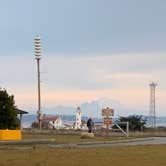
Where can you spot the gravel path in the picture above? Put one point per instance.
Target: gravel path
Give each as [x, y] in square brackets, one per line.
[146, 141]
[132, 142]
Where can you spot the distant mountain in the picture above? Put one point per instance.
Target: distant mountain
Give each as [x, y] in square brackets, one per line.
[92, 109]
[88, 109]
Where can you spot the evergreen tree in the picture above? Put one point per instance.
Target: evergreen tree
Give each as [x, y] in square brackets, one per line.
[8, 115]
[136, 122]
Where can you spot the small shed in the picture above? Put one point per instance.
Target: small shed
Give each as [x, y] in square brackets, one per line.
[20, 112]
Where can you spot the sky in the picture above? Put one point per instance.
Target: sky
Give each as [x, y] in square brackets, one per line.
[91, 50]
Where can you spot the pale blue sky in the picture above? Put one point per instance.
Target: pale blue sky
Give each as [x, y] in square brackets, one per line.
[76, 26]
[91, 49]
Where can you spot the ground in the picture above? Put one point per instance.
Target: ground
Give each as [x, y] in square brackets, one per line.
[69, 138]
[147, 155]
[115, 155]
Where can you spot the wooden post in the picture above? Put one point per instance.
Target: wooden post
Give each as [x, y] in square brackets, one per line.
[107, 113]
[107, 130]
[20, 121]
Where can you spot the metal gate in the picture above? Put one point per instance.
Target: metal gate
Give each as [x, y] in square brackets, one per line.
[125, 132]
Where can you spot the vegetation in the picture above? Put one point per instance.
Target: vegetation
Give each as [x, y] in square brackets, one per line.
[35, 125]
[136, 122]
[8, 115]
[150, 155]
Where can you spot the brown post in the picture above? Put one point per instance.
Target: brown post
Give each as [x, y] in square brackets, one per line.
[39, 96]
[107, 130]
[107, 113]
[20, 121]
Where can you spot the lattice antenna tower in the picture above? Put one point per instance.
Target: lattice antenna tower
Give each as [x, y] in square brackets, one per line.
[152, 111]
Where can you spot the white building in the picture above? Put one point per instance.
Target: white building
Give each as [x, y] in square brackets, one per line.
[52, 122]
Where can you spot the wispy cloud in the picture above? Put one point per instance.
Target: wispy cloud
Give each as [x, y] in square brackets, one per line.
[75, 79]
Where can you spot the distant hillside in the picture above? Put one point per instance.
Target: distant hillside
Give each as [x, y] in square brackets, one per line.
[89, 109]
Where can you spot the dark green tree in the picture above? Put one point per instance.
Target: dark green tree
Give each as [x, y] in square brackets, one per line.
[8, 115]
[136, 122]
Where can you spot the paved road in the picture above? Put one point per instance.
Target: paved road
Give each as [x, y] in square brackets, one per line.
[147, 141]
[141, 141]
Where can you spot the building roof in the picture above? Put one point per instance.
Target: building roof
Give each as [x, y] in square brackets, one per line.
[50, 118]
[18, 111]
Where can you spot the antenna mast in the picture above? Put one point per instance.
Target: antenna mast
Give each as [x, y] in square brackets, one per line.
[152, 111]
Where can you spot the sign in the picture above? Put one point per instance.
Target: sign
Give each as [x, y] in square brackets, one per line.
[107, 112]
[108, 121]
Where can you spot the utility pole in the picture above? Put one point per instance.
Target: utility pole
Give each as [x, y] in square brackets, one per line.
[152, 111]
[38, 57]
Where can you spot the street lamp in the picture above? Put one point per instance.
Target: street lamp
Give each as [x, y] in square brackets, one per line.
[38, 57]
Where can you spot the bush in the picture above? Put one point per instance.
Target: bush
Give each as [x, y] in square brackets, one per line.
[136, 122]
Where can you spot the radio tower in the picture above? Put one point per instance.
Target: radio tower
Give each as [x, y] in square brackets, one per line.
[152, 115]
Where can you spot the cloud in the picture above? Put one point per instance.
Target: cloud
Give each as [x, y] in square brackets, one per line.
[74, 79]
[105, 71]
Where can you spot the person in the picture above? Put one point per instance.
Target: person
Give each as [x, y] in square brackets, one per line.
[90, 125]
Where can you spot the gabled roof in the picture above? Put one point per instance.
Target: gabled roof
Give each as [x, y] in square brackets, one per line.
[50, 118]
[18, 111]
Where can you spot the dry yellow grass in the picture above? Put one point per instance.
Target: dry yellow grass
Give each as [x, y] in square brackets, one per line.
[116, 156]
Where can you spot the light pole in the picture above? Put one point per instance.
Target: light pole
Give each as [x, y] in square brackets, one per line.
[38, 57]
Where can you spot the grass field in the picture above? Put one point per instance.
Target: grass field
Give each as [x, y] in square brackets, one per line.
[116, 156]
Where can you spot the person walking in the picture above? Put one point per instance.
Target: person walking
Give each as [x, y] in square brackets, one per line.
[90, 125]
